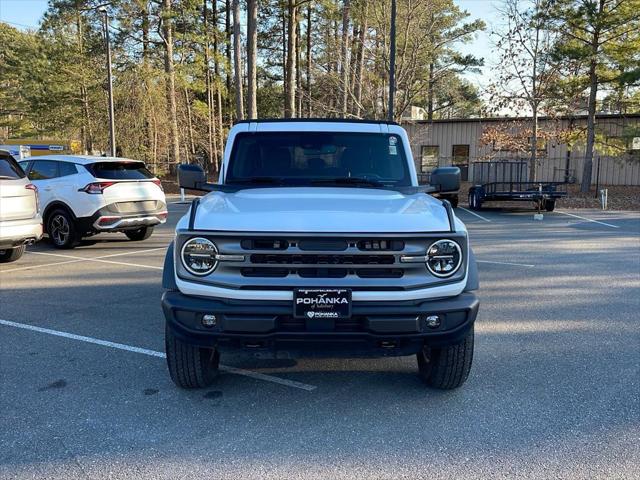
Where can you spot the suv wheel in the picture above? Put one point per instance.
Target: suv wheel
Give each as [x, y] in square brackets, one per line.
[11, 254]
[139, 234]
[447, 368]
[190, 366]
[549, 205]
[62, 229]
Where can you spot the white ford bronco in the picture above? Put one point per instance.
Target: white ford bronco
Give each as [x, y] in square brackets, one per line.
[318, 241]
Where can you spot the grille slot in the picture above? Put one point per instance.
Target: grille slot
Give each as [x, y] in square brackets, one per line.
[328, 259]
[264, 244]
[326, 245]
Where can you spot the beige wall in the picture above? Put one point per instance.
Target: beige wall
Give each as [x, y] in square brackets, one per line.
[445, 134]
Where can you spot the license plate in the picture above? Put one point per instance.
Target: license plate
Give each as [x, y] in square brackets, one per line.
[329, 303]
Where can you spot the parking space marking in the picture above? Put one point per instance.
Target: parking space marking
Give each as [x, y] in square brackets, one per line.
[101, 259]
[588, 219]
[154, 353]
[506, 263]
[475, 214]
[40, 266]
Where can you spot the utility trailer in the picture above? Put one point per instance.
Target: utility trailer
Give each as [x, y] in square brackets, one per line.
[509, 181]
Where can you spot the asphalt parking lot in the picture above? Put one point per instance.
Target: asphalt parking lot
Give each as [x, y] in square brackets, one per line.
[554, 391]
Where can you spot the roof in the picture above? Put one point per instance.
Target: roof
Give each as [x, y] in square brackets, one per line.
[602, 116]
[83, 159]
[314, 120]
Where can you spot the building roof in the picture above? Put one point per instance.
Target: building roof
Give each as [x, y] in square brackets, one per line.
[602, 116]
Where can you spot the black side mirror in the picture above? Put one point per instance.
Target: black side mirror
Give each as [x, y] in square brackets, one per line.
[446, 179]
[191, 177]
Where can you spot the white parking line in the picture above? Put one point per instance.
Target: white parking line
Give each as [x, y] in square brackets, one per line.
[100, 259]
[475, 214]
[506, 263]
[154, 353]
[588, 219]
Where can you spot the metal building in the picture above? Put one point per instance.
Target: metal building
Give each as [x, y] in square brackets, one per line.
[462, 142]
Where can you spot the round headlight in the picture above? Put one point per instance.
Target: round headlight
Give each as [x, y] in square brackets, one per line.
[444, 258]
[199, 256]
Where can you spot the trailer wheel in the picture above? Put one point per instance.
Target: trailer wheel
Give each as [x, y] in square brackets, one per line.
[475, 201]
[549, 205]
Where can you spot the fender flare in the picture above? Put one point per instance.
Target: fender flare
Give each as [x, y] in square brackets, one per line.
[168, 272]
[473, 282]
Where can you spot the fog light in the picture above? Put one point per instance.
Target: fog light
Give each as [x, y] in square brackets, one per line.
[432, 321]
[209, 320]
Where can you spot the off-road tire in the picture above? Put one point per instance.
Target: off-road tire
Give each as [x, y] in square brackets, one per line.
[62, 229]
[140, 234]
[454, 201]
[190, 366]
[475, 202]
[549, 205]
[447, 368]
[12, 254]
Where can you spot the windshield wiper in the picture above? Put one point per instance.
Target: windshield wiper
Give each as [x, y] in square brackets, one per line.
[356, 181]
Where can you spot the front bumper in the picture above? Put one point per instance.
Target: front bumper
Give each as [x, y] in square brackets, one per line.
[14, 233]
[375, 329]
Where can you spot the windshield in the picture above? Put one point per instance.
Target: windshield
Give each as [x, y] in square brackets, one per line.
[318, 158]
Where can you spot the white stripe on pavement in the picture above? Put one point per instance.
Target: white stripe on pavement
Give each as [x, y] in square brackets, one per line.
[506, 263]
[101, 258]
[154, 353]
[588, 219]
[475, 214]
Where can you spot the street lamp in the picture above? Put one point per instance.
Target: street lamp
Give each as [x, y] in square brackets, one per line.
[112, 134]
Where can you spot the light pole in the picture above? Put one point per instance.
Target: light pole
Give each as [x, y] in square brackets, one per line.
[112, 130]
[392, 61]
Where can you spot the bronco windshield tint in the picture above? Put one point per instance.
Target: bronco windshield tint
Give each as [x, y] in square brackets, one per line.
[318, 158]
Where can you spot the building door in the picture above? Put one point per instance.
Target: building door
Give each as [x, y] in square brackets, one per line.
[460, 159]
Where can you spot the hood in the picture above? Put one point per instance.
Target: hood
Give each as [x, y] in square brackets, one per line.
[322, 210]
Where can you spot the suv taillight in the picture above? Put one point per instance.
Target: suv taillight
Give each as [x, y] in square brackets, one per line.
[32, 187]
[158, 182]
[96, 188]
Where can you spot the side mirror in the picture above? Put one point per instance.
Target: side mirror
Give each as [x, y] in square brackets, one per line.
[446, 179]
[191, 177]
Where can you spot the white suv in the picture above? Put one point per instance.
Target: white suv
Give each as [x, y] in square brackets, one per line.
[83, 195]
[20, 222]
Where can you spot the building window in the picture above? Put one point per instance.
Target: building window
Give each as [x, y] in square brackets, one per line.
[460, 154]
[429, 157]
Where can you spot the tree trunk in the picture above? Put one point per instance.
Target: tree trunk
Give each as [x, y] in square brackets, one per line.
[298, 111]
[207, 73]
[308, 66]
[87, 137]
[237, 60]
[172, 109]
[430, 94]
[192, 143]
[344, 58]
[361, 39]
[148, 134]
[533, 166]
[252, 47]
[217, 140]
[587, 168]
[227, 30]
[290, 100]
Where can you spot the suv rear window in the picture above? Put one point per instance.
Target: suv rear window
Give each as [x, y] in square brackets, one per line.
[9, 168]
[120, 170]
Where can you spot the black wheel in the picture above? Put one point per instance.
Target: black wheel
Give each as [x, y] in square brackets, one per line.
[549, 205]
[475, 201]
[190, 366]
[62, 229]
[454, 201]
[11, 254]
[447, 368]
[139, 234]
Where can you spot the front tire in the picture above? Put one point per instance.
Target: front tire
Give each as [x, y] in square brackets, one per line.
[549, 205]
[447, 368]
[12, 254]
[139, 234]
[62, 229]
[190, 366]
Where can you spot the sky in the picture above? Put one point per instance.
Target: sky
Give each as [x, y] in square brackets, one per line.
[27, 14]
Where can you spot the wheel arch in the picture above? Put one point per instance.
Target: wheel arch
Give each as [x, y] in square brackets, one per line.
[56, 205]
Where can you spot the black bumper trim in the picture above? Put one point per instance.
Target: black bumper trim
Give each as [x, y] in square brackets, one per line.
[374, 329]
